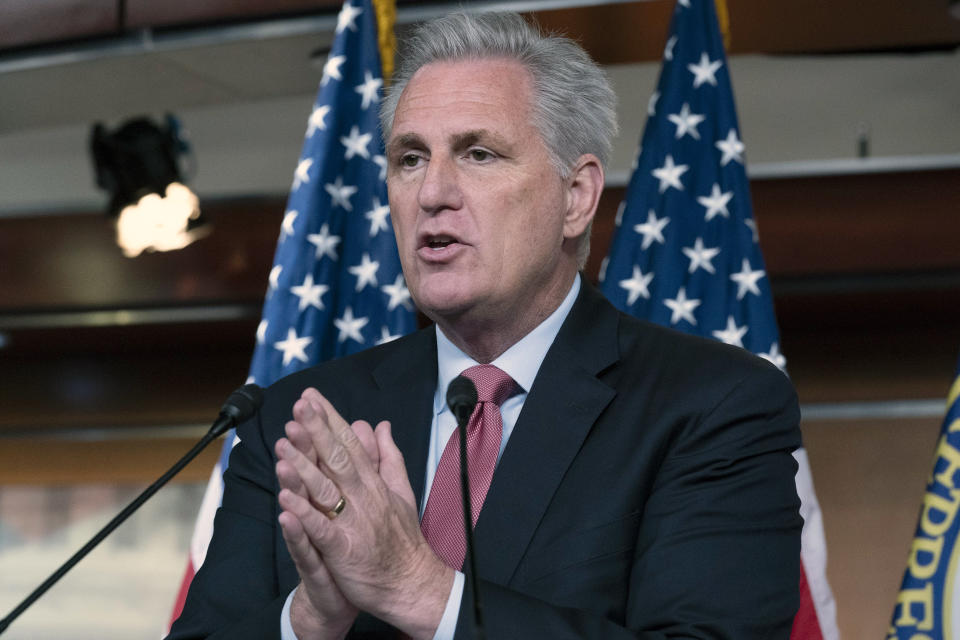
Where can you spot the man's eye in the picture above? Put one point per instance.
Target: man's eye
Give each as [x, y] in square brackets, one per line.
[479, 155]
[409, 160]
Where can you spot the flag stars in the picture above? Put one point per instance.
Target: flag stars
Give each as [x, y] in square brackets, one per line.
[747, 279]
[345, 19]
[651, 230]
[398, 292]
[378, 217]
[636, 286]
[668, 50]
[366, 272]
[317, 120]
[731, 147]
[350, 327]
[262, 331]
[340, 193]
[331, 69]
[620, 209]
[716, 203]
[704, 71]
[381, 161]
[775, 357]
[700, 256]
[603, 268]
[356, 144]
[669, 174]
[682, 307]
[325, 243]
[286, 227]
[368, 90]
[302, 173]
[309, 293]
[293, 347]
[752, 224]
[686, 122]
[386, 336]
[274, 278]
[652, 104]
[732, 334]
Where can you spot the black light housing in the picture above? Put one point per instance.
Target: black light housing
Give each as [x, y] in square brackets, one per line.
[138, 165]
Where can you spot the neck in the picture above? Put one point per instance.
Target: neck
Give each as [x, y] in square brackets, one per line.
[485, 339]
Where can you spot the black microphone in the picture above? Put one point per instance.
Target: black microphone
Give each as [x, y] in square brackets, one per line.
[462, 398]
[242, 404]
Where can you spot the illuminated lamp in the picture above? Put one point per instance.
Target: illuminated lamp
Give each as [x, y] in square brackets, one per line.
[138, 165]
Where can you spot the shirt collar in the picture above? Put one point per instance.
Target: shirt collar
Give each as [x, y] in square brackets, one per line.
[521, 361]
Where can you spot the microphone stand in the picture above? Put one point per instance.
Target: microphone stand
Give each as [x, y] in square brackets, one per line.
[462, 398]
[230, 415]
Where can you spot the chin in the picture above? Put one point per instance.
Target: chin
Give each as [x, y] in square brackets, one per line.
[443, 302]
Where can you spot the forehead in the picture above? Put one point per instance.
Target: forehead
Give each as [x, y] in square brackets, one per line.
[489, 94]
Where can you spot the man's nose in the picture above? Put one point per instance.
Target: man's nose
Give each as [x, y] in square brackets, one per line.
[440, 187]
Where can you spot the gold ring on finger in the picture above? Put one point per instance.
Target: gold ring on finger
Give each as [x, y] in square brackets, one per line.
[338, 508]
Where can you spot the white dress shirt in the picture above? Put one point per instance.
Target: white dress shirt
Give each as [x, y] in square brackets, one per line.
[522, 362]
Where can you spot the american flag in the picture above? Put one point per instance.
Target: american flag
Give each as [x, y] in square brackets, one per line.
[336, 286]
[685, 253]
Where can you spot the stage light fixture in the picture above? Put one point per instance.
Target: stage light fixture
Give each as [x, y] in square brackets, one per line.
[138, 164]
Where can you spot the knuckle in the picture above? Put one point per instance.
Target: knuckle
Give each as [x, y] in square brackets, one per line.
[338, 460]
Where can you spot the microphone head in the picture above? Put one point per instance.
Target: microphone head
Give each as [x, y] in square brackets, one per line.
[462, 397]
[243, 403]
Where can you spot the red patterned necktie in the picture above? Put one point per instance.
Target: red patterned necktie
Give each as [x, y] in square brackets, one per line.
[442, 522]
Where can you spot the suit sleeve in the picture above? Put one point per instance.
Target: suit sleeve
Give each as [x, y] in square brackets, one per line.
[236, 593]
[718, 547]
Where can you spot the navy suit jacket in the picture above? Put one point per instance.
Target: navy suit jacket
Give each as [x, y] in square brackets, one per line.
[647, 490]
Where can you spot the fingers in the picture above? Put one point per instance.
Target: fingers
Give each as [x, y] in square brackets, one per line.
[301, 439]
[340, 450]
[365, 435]
[392, 468]
[311, 528]
[303, 553]
[296, 473]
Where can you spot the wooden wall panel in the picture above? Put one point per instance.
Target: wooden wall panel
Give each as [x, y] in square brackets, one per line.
[136, 461]
[149, 13]
[870, 477]
[884, 222]
[72, 261]
[29, 22]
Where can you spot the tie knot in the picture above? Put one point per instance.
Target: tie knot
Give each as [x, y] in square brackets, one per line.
[493, 384]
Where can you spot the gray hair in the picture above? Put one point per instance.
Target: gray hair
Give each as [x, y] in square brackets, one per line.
[574, 106]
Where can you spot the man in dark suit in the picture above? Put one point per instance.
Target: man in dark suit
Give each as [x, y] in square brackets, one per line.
[643, 482]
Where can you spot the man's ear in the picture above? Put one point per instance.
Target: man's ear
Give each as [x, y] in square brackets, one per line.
[584, 187]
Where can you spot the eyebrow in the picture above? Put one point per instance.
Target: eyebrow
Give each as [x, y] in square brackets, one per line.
[405, 141]
[458, 141]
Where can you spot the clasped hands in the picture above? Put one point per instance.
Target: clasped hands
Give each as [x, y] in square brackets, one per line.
[372, 555]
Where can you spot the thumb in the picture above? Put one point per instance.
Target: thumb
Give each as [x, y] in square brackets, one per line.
[393, 471]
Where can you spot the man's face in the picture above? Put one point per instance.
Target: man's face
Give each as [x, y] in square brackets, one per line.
[477, 206]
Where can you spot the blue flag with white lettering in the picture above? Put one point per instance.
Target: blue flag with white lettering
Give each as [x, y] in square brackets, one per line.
[927, 604]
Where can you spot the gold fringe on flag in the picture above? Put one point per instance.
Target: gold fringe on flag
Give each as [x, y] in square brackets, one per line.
[386, 17]
[723, 17]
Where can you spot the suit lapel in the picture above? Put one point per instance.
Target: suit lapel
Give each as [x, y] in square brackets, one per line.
[407, 380]
[565, 401]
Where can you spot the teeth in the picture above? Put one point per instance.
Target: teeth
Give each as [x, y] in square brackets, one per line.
[440, 242]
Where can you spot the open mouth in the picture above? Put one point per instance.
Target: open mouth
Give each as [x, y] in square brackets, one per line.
[440, 242]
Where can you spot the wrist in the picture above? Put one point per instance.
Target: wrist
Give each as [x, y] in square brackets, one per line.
[420, 603]
[310, 624]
